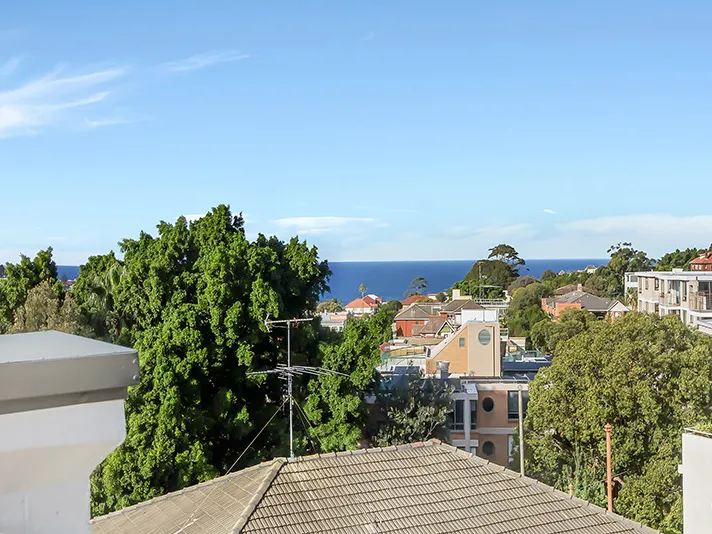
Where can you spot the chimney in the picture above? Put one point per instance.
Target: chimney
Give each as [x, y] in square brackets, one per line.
[455, 294]
[443, 368]
[579, 287]
[61, 414]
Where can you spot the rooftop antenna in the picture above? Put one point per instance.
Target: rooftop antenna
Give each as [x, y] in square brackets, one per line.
[287, 372]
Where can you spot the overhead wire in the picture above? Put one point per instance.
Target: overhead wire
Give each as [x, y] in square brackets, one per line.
[202, 503]
[313, 430]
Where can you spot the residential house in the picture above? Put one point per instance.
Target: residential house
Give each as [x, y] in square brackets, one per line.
[373, 299]
[454, 310]
[687, 294]
[415, 298]
[567, 289]
[473, 350]
[334, 321]
[582, 300]
[702, 263]
[437, 326]
[415, 315]
[419, 487]
[362, 306]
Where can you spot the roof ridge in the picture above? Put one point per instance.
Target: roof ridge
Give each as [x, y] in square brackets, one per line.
[188, 489]
[371, 450]
[257, 497]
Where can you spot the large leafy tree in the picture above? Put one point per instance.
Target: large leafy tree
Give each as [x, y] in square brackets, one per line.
[679, 259]
[409, 409]
[525, 310]
[336, 405]
[44, 309]
[650, 378]
[21, 278]
[416, 287]
[330, 306]
[546, 335]
[607, 281]
[508, 255]
[194, 300]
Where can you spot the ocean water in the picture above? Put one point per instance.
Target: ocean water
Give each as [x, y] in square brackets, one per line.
[391, 279]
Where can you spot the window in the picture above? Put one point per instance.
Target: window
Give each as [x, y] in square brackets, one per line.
[487, 404]
[484, 337]
[487, 448]
[461, 341]
[473, 415]
[657, 284]
[457, 418]
[513, 404]
[646, 283]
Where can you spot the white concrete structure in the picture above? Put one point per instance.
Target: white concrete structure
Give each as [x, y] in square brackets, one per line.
[696, 471]
[686, 294]
[61, 413]
[480, 316]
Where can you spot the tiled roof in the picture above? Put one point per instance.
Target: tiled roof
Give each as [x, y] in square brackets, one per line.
[415, 311]
[415, 298]
[461, 304]
[422, 487]
[702, 259]
[434, 325]
[587, 301]
[361, 303]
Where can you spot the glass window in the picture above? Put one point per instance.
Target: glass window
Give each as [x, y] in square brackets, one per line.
[646, 283]
[487, 448]
[457, 418]
[484, 337]
[487, 404]
[461, 341]
[473, 415]
[513, 404]
[657, 284]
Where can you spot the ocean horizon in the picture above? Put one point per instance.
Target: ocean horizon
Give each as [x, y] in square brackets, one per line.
[390, 279]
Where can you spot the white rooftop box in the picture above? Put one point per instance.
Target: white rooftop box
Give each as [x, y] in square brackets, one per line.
[61, 414]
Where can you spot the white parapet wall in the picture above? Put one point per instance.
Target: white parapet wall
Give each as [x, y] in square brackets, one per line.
[61, 414]
[696, 470]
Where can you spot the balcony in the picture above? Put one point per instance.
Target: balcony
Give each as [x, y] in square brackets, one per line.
[701, 301]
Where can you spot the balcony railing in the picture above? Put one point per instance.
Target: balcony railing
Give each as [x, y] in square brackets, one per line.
[701, 301]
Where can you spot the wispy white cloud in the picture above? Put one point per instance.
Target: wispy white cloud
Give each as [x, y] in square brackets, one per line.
[322, 225]
[99, 123]
[10, 66]
[549, 211]
[49, 100]
[207, 59]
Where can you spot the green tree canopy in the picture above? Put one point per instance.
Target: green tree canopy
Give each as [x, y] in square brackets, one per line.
[546, 335]
[525, 309]
[650, 378]
[330, 306]
[417, 286]
[680, 259]
[508, 255]
[362, 289]
[336, 405]
[44, 309]
[411, 409]
[21, 278]
[194, 300]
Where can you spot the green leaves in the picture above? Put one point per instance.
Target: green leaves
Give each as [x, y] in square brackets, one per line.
[649, 378]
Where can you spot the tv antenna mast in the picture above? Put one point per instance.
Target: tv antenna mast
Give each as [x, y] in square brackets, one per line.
[287, 372]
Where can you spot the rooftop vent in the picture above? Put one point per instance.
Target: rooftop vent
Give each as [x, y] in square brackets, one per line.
[61, 414]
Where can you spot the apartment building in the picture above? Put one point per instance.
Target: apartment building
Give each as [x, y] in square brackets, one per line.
[687, 294]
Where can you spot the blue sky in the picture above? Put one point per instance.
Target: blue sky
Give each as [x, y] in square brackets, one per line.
[376, 130]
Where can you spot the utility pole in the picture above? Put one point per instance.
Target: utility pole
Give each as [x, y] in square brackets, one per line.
[289, 371]
[521, 430]
[609, 469]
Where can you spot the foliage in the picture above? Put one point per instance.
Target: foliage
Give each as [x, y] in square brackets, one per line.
[94, 290]
[416, 287]
[441, 297]
[330, 306]
[522, 281]
[194, 300]
[546, 335]
[362, 289]
[44, 309]
[477, 289]
[21, 278]
[508, 255]
[411, 409]
[650, 378]
[392, 306]
[525, 309]
[2, 271]
[680, 259]
[335, 405]
[491, 272]
[547, 275]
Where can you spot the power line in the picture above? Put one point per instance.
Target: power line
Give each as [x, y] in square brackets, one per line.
[202, 503]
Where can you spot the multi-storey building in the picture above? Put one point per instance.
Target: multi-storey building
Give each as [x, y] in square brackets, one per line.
[687, 294]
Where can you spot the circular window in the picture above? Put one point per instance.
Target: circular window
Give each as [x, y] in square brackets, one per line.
[487, 404]
[484, 337]
[488, 448]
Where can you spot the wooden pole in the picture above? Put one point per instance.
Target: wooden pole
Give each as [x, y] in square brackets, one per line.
[609, 469]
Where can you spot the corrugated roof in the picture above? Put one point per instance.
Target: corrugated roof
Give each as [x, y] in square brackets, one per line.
[422, 487]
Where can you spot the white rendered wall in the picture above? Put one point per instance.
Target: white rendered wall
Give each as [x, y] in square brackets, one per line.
[696, 470]
[46, 458]
[481, 316]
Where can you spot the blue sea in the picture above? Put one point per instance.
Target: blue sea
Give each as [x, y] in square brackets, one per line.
[390, 279]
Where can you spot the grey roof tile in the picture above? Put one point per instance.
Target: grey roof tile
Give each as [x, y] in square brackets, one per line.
[422, 487]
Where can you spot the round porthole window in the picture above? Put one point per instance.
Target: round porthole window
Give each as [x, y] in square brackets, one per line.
[484, 337]
[487, 404]
[488, 448]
